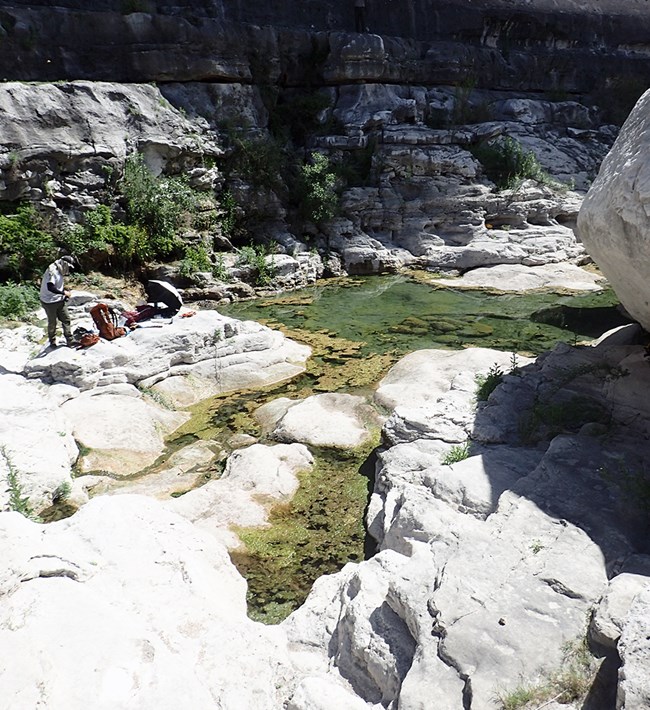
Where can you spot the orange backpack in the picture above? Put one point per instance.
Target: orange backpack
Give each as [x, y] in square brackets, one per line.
[106, 322]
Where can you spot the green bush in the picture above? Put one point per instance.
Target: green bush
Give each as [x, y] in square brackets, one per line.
[25, 248]
[486, 384]
[258, 161]
[161, 206]
[507, 164]
[17, 300]
[124, 245]
[229, 217]
[356, 167]
[297, 118]
[195, 259]
[317, 189]
[255, 256]
[128, 244]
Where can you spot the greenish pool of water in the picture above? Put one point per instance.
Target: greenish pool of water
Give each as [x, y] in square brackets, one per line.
[357, 329]
[402, 314]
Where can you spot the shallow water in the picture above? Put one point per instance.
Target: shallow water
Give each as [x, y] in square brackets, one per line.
[398, 313]
[357, 329]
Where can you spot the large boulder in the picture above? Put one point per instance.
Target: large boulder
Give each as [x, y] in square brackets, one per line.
[330, 419]
[613, 219]
[120, 430]
[221, 354]
[255, 479]
[634, 647]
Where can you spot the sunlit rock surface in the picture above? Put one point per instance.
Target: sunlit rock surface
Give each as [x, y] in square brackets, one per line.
[613, 219]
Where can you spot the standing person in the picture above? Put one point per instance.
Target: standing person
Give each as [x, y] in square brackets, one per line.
[360, 15]
[54, 297]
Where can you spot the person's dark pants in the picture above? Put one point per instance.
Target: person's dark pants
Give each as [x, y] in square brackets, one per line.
[57, 311]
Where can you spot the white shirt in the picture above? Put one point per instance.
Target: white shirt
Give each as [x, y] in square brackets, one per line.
[53, 274]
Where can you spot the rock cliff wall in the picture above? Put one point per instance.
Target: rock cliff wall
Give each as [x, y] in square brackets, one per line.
[568, 45]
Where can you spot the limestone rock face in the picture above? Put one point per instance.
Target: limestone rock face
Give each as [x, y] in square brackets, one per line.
[36, 443]
[499, 546]
[610, 616]
[68, 150]
[613, 219]
[162, 602]
[634, 685]
[183, 40]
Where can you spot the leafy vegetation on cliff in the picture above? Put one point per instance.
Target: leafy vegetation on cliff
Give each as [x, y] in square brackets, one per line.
[507, 163]
[157, 210]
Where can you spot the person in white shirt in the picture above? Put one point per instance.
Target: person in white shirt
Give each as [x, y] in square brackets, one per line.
[54, 298]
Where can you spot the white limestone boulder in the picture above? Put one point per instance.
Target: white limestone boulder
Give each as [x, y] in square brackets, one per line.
[254, 479]
[520, 278]
[220, 353]
[634, 649]
[36, 444]
[610, 615]
[130, 605]
[185, 469]
[330, 419]
[121, 432]
[421, 378]
[613, 219]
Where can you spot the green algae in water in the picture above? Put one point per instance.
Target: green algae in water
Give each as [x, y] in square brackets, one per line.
[357, 330]
[316, 533]
[401, 314]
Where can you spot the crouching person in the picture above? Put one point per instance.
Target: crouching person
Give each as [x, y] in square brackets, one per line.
[54, 297]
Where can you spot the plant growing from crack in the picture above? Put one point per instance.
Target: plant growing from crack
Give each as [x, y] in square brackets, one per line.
[457, 453]
[18, 501]
[570, 684]
[486, 384]
[61, 492]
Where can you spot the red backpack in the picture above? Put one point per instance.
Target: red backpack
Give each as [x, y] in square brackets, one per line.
[106, 322]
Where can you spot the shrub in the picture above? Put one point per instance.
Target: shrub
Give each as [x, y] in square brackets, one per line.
[297, 118]
[356, 167]
[507, 164]
[486, 384]
[159, 205]
[230, 217]
[27, 249]
[17, 300]
[317, 189]
[261, 162]
[195, 259]
[220, 270]
[124, 244]
[255, 256]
